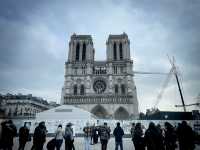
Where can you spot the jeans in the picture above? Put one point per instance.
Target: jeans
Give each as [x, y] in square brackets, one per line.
[87, 142]
[118, 144]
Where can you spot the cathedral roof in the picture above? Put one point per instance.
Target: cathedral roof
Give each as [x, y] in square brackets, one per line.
[118, 36]
[75, 36]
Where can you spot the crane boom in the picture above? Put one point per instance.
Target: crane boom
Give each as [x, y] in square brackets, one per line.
[144, 72]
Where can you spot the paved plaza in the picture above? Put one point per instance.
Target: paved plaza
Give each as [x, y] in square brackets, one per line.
[79, 144]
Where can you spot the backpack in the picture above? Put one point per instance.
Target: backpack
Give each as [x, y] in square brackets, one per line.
[67, 135]
[104, 134]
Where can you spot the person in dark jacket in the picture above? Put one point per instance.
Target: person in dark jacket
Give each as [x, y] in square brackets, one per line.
[118, 133]
[170, 137]
[23, 136]
[68, 136]
[104, 132]
[153, 138]
[9, 131]
[185, 136]
[138, 138]
[39, 136]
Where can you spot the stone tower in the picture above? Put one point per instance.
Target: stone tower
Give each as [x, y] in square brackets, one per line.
[104, 88]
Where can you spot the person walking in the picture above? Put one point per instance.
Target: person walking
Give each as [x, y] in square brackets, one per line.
[39, 136]
[104, 132]
[59, 137]
[185, 136]
[87, 136]
[118, 133]
[68, 136]
[23, 136]
[138, 138]
[9, 131]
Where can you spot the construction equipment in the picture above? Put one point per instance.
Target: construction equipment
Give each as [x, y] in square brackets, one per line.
[173, 71]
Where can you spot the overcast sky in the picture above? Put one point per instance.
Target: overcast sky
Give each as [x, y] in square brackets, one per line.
[34, 38]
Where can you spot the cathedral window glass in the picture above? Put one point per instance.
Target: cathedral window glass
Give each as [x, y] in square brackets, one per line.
[82, 90]
[115, 51]
[99, 86]
[120, 51]
[123, 90]
[77, 51]
[75, 90]
[116, 89]
[84, 52]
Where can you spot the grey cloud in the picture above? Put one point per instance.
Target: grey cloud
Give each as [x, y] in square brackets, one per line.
[34, 40]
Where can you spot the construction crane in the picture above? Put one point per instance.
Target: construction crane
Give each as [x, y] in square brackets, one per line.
[173, 71]
[144, 72]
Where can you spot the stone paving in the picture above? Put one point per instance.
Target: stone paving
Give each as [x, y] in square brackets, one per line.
[79, 144]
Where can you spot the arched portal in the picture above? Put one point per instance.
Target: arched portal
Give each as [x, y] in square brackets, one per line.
[99, 111]
[121, 114]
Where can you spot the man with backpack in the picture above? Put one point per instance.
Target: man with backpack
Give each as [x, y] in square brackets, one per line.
[104, 132]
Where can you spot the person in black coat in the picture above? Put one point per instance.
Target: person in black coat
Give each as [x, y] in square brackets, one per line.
[118, 133]
[153, 138]
[39, 136]
[185, 136]
[9, 131]
[170, 137]
[138, 138]
[23, 136]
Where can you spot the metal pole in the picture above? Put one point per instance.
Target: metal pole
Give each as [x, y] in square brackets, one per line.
[184, 108]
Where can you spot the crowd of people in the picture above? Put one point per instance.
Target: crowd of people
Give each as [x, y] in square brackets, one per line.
[153, 138]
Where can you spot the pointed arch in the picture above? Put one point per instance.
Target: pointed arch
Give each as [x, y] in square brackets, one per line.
[82, 89]
[84, 52]
[77, 51]
[75, 89]
[115, 51]
[99, 111]
[120, 51]
[116, 89]
[121, 114]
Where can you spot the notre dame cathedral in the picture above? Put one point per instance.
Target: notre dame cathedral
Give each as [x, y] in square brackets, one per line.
[104, 88]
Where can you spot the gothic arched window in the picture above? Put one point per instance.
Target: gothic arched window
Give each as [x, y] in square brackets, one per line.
[75, 89]
[123, 90]
[82, 90]
[84, 51]
[116, 89]
[115, 51]
[77, 51]
[120, 51]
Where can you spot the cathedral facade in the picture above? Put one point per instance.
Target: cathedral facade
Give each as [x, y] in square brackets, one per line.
[104, 88]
